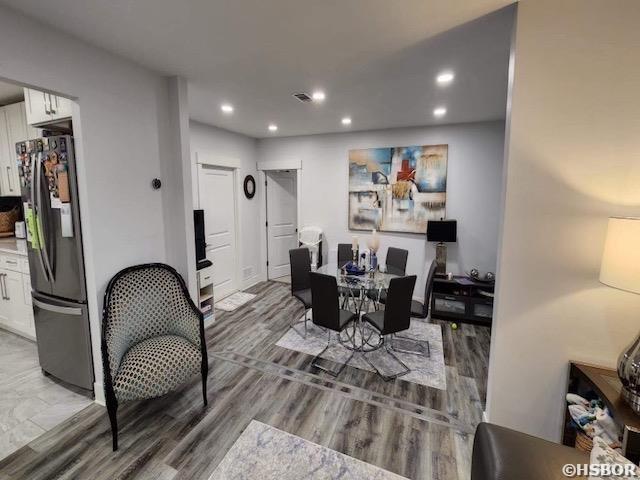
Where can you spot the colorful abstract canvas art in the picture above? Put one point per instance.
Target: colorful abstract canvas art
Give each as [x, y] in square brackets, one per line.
[397, 189]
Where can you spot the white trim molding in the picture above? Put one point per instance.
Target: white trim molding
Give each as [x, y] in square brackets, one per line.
[215, 160]
[286, 164]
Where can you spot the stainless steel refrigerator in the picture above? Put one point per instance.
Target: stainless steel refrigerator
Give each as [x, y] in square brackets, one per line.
[54, 238]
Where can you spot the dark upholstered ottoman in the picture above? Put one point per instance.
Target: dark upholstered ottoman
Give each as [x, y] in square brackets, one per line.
[503, 454]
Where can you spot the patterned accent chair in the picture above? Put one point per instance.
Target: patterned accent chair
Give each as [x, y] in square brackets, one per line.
[152, 337]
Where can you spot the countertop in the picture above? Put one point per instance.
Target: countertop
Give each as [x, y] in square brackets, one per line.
[15, 246]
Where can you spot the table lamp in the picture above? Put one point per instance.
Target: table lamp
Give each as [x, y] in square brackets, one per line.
[442, 231]
[621, 269]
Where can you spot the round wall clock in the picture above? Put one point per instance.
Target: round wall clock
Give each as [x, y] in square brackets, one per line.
[249, 186]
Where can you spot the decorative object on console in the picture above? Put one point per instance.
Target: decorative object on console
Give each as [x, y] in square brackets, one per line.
[621, 269]
[397, 189]
[249, 186]
[488, 277]
[442, 231]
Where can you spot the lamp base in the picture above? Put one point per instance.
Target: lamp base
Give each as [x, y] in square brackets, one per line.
[632, 398]
[629, 373]
[441, 258]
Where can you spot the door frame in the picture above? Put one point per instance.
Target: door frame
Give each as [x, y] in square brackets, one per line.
[263, 169]
[209, 159]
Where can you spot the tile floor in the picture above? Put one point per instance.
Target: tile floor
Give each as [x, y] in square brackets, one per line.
[30, 402]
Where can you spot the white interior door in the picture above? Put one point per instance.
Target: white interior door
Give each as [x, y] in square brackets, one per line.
[217, 198]
[282, 224]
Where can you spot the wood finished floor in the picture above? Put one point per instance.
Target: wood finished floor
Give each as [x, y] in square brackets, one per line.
[414, 431]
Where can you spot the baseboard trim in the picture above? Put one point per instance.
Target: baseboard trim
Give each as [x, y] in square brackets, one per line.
[250, 282]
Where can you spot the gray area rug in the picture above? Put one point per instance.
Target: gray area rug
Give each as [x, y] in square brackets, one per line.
[428, 371]
[263, 452]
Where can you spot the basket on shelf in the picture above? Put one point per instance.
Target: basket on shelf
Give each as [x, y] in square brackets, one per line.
[8, 221]
[584, 442]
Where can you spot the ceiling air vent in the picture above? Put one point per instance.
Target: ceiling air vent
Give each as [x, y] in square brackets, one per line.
[303, 97]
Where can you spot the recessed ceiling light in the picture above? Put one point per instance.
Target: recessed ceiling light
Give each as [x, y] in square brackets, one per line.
[445, 78]
[318, 96]
[346, 121]
[273, 127]
[226, 108]
[440, 111]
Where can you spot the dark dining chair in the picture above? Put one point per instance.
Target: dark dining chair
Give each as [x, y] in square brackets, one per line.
[300, 261]
[396, 263]
[421, 310]
[345, 255]
[396, 260]
[328, 314]
[395, 318]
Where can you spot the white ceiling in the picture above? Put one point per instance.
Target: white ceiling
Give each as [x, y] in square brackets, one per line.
[10, 93]
[376, 59]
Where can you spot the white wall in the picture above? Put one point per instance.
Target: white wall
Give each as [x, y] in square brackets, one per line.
[573, 159]
[119, 127]
[473, 188]
[218, 145]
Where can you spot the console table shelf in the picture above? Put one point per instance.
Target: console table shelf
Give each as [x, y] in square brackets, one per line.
[590, 381]
[462, 299]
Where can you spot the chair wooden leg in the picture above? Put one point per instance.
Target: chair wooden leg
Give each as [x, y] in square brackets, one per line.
[112, 410]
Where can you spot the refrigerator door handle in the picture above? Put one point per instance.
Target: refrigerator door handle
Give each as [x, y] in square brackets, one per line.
[56, 308]
[2, 286]
[34, 207]
[43, 250]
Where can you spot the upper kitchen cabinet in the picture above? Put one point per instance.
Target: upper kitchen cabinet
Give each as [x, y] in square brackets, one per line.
[45, 108]
[13, 129]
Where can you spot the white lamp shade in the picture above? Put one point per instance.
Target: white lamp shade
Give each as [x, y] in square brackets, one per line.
[621, 258]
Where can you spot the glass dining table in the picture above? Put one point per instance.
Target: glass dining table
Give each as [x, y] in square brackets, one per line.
[355, 288]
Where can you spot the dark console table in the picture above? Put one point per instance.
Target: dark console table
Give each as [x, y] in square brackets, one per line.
[462, 299]
[592, 382]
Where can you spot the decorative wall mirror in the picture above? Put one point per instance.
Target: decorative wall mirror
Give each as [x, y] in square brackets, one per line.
[249, 186]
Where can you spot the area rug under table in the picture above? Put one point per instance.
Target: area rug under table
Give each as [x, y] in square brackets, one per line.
[263, 452]
[429, 371]
[234, 301]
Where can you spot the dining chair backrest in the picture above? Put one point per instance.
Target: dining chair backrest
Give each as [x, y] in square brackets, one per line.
[428, 287]
[300, 261]
[397, 260]
[397, 308]
[324, 301]
[345, 254]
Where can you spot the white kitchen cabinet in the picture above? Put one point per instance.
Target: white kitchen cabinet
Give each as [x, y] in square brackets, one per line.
[16, 312]
[5, 154]
[17, 131]
[13, 129]
[36, 106]
[43, 108]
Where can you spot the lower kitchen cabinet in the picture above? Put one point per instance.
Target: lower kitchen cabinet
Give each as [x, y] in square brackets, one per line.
[16, 312]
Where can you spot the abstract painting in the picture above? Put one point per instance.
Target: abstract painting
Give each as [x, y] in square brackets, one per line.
[397, 189]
